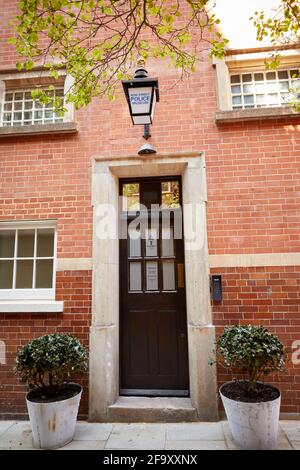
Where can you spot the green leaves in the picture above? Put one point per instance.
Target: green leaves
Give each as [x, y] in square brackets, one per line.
[98, 42]
[59, 355]
[252, 349]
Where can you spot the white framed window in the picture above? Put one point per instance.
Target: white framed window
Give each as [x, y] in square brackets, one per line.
[263, 89]
[19, 109]
[27, 260]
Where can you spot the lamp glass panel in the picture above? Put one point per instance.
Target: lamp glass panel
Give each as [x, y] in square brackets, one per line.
[141, 119]
[140, 100]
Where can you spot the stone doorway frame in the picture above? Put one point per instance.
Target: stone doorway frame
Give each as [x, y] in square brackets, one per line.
[104, 332]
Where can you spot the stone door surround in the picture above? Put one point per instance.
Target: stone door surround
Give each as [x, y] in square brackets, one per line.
[104, 333]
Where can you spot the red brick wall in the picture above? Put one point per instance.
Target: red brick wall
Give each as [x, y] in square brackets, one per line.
[253, 177]
[268, 296]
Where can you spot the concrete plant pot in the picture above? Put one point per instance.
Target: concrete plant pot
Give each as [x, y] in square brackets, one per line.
[253, 425]
[53, 423]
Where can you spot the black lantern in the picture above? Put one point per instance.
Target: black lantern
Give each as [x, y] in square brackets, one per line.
[141, 94]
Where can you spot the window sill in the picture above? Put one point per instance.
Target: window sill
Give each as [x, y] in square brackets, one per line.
[31, 306]
[57, 128]
[254, 114]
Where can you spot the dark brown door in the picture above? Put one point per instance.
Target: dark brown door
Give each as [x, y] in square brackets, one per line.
[153, 330]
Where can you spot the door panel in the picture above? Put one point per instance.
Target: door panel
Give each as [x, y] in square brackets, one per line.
[153, 330]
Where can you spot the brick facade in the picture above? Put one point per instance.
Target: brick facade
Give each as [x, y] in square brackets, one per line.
[253, 180]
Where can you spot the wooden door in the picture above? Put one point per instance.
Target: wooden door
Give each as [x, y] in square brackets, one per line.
[153, 327]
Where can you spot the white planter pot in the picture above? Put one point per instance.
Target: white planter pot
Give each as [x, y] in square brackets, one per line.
[253, 425]
[53, 424]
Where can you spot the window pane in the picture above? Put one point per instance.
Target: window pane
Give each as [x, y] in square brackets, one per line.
[167, 241]
[18, 96]
[247, 77]
[7, 117]
[260, 99]
[25, 243]
[170, 196]
[134, 243]
[249, 99]
[273, 98]
[168, 275]
[7, 243]
[151, 242]
[28, 116]
[135, 276]
[44, 273]
[258, 77]
[271, 76]
[24, 274]
[294, 73]
[151, 275]
[236, 89]
[236, 100]
[248, 88]
[131, 197]
[282, 75]
[284, 86]
[260, 87]
[17, 116]
[235, 79]
[28, 104]
[18, 106]
[8, 106]
[6, 274]
[38, 114]
[45, 242]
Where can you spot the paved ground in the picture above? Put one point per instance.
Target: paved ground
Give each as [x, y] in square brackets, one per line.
[170, 436]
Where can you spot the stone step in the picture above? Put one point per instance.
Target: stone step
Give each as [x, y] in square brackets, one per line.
[151, 410]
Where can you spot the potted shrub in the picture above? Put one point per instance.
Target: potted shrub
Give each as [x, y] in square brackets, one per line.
[47, 364]
[252, 406]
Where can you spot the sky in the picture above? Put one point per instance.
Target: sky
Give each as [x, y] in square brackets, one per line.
[235, 23]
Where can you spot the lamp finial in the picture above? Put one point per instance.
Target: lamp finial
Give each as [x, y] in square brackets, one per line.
[141, 62]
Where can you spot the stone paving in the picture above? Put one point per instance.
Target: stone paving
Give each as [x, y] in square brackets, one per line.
[147, 436]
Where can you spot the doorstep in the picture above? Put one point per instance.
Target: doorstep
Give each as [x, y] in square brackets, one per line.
[151, 410]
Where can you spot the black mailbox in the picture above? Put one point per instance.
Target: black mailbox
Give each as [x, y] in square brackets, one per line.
[216, 288]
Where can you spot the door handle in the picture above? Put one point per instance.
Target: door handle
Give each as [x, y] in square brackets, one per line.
[180, 275]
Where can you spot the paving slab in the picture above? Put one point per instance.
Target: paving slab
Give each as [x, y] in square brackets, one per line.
[195, 445]
[17, 436]
[92, 431]
[84, 445]
[137, 436]
[291, 429]
[5, 425]
[194, 432]
[296, 445]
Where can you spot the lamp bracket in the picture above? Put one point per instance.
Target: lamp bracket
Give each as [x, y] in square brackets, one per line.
[146, 131]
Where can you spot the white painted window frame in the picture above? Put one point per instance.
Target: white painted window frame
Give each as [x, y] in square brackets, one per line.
[234, 64]
[33, 109]
[5, 77]
[279, 102]
[33, 293]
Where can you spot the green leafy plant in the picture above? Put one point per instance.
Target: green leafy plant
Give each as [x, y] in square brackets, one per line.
[51, 360]
[252, 349]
